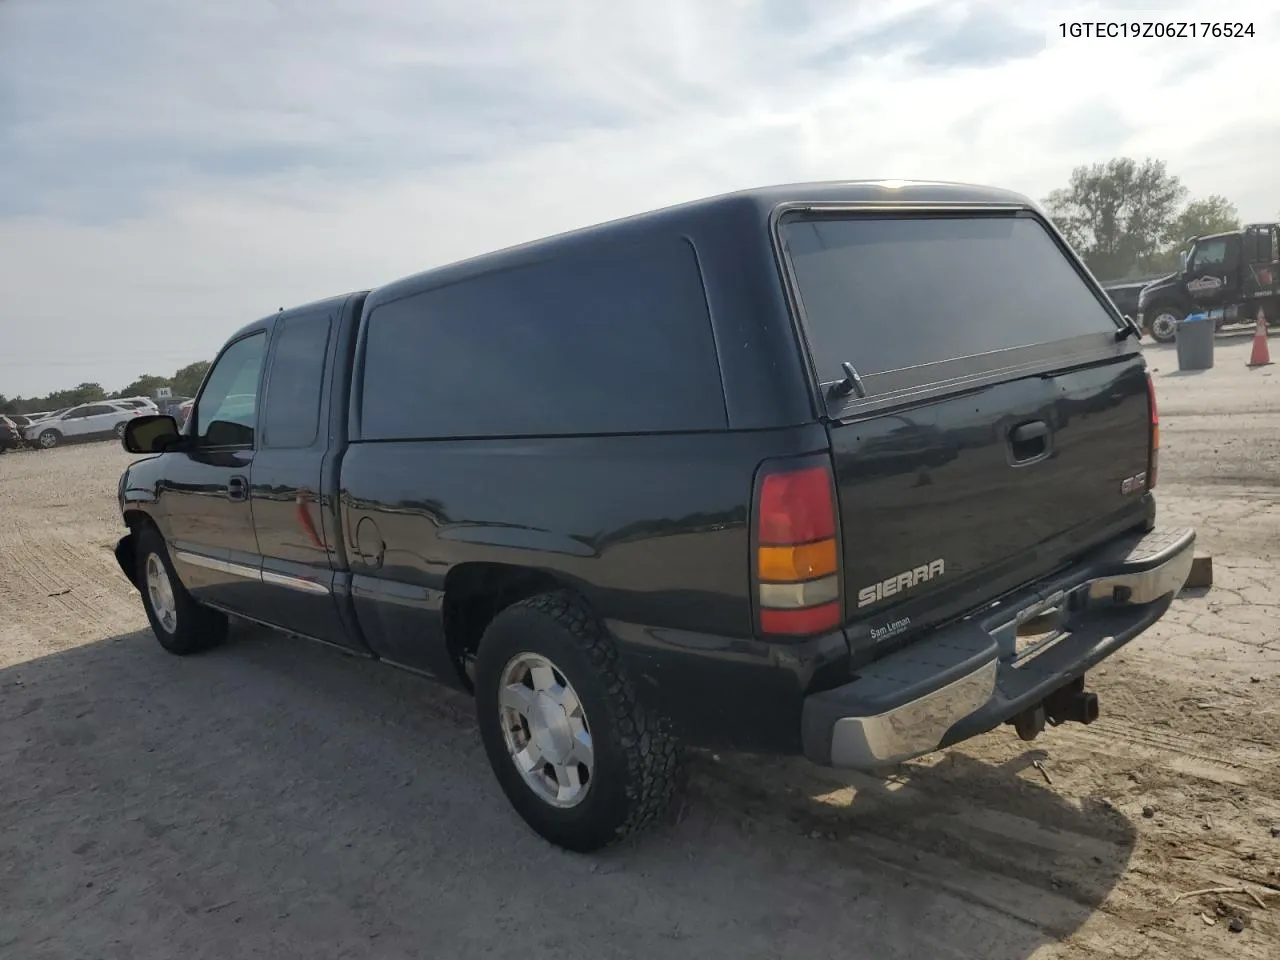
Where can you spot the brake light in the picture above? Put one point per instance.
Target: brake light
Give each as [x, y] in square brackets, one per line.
[1154, 461]
[797, 560]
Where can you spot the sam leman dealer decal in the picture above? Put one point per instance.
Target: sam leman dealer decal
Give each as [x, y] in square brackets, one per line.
[891, 629]
[900, 582]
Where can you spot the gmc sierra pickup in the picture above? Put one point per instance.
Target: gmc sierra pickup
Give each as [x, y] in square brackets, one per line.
[673, 480]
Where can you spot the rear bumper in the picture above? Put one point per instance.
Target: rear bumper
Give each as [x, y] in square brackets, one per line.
[970, 676]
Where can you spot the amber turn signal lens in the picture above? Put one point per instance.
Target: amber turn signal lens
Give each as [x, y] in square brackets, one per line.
[803, 562]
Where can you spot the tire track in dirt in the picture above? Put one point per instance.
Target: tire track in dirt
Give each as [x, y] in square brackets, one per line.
[1012, 848]
[59, 583]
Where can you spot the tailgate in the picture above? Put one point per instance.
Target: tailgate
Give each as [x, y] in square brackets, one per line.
[943, 494]
[996, 425]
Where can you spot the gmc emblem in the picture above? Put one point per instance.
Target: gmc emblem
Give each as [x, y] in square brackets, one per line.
[1133, 484]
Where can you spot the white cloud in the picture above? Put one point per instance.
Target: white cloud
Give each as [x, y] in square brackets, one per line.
[174, 170]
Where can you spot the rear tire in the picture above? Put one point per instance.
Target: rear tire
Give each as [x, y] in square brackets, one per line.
[119, 431]
[1164, 324]
[181, 624]
[583, 762]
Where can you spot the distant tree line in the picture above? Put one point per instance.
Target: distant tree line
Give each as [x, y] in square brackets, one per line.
[184, 383]
[1130, 219]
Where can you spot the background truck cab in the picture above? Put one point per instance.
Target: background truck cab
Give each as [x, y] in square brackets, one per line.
[1234, 273]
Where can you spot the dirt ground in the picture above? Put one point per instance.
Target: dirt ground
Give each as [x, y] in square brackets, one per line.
[277, 799]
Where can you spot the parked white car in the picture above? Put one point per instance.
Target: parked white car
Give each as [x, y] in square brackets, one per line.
[89, 421]
[143, 405]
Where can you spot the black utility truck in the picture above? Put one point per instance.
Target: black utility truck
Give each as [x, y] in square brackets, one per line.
[1228, 275]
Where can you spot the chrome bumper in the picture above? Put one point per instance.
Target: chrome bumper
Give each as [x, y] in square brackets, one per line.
[914, 728]
[994, 681]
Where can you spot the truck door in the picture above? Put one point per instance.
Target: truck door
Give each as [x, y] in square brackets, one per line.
[288, 512]
[1262, 267]
[1212, 275]
[205, 491]
[77, 422]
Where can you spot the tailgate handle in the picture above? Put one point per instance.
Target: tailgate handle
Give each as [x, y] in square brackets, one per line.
[1029, 441]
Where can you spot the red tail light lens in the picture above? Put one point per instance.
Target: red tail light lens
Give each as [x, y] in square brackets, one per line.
[1153, 463]
[796, 507]
[797, 576]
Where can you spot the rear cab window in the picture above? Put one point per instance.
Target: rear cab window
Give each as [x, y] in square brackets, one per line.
[605, 340]
[916, 301]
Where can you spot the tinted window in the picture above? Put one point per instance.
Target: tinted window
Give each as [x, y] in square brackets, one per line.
[98, 410]
[1261, 247]
[291, 417]
[888, 294]
[227, 409]
[76, 413]
[611, 341]
[1210, 254]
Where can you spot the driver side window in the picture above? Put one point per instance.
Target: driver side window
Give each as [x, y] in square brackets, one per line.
[1210, 255]
[227, 410]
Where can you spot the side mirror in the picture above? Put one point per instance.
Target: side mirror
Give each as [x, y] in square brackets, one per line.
[153, 433]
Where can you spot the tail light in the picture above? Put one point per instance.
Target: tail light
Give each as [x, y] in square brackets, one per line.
[1154, 463]
[797, 575]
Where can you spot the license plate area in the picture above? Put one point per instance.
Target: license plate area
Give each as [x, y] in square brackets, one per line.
[1038, 627]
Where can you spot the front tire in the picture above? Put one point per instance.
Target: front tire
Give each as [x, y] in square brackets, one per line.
[49, 439]
[583, 762]
[181, 624]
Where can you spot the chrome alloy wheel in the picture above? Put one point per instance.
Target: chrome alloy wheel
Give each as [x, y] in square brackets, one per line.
[546, 730]
[160, 592]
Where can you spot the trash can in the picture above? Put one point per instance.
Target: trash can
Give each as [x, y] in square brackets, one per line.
[1195, 338]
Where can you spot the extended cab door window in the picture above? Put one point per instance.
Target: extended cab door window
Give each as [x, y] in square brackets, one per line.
[227, 411]
[291, 418]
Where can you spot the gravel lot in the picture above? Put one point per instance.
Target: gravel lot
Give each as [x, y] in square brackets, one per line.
[278, 799]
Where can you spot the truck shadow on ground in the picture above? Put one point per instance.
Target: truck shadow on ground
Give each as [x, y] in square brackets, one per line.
[277, 798]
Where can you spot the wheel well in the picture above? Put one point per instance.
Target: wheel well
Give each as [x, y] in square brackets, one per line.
[135, 520]
[475, 593]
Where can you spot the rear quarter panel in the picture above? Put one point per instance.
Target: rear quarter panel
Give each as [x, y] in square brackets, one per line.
[651, 530]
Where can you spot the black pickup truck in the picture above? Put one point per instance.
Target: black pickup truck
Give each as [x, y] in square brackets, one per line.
[855, 471]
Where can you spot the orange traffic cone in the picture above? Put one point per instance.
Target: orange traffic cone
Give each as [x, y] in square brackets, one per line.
[1261, 356]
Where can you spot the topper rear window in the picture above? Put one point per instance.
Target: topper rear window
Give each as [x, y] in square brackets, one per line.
[912, 300]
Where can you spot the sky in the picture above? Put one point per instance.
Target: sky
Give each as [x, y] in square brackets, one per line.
[170, 171]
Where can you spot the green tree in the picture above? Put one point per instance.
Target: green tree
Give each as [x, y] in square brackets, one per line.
[1200, 218]
[145, 386]
[186, 381]
[84, 393]
[1120, 215]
